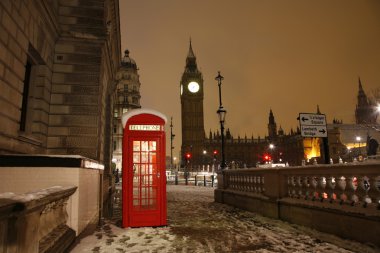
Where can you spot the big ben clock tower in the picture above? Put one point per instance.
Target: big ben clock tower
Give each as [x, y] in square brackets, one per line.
[191, 89]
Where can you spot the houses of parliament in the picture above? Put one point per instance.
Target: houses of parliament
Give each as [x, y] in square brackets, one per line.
[199, 149]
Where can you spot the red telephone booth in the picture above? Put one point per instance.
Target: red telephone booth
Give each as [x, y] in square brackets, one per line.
[144, 180]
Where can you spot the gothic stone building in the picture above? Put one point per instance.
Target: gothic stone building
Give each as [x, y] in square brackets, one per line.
[239, 151]
[245, 151]
[58, 64]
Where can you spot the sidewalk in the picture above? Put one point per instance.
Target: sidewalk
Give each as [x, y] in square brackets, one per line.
[197, 224]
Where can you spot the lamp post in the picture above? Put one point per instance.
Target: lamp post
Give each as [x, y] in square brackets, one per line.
[222, 116]
[171, 143]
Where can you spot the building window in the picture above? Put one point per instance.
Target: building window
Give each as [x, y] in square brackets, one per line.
[135, 101]
[114, 129]
[115, 113]
[25, 95]
[114, 145]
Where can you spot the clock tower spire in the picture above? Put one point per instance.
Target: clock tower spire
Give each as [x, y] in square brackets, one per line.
[193, 133]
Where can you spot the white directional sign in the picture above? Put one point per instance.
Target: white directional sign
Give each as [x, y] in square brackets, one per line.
[313, 125]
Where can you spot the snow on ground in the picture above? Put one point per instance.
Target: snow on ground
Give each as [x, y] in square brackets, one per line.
[198, 224]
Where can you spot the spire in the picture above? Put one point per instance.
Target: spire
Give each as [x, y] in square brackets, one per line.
[361, 91]
[272, 127]
[191, 62]
[271, 117]
[362, 97]
[318, 111]
[190, 54]
[280, 131]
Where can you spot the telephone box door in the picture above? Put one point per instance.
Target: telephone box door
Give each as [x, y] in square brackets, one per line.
[144, 181]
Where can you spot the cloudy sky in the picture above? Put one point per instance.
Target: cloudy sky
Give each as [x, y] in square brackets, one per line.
[284, 55]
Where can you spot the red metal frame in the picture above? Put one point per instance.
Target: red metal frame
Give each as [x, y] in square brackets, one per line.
[144, 177]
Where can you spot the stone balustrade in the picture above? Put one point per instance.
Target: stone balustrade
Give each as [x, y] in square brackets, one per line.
[35, 221]
[245, 181]
[346, 195]
[357, 186]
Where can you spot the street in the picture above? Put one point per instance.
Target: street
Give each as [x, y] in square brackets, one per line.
[197, 224]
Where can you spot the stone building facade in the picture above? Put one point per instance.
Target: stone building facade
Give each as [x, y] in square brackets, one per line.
[127, 97]
[192, 94]
[239, 152]
[277, 146]
[365, 111]
[58, 65]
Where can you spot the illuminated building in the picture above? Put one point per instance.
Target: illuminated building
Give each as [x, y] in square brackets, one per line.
[127, 97]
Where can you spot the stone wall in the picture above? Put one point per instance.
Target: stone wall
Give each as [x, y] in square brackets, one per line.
[340, 199]
[35, 221]
[58, 64]
[73, 51]
[32, 173]
[28, 34]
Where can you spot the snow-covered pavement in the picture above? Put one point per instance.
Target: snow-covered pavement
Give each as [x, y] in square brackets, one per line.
[198, 224]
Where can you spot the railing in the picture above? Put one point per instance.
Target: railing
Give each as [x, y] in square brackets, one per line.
[35, 221]
[310, 196]
[245, 181]
[355, 185]
[358, 187]
[197, 179]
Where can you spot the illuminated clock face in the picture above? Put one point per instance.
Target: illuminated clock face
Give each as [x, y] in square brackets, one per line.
[193, 87]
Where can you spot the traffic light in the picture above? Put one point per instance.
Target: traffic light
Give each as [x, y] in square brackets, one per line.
[267, 157]
[188, 156]
[215, 153]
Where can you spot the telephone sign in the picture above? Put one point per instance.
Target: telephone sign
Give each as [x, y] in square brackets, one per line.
[144, 180]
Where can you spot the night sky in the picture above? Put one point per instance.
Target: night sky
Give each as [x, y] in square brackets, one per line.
[284, 55]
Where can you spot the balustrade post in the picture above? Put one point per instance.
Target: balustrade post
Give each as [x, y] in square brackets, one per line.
[251, 186]
[341, 188]
[362, 189]
[374, 190]
[273, 184]
[292, 190]
[330, 186]
[351, 185]
[299, 187]
[221, 176]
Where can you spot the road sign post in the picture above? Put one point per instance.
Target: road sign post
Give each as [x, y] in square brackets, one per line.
[314, 126]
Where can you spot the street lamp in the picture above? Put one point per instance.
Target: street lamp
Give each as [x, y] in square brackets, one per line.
[271, 147]
[222, 116]
[204, 159]
[358, 139]
[175, 162]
